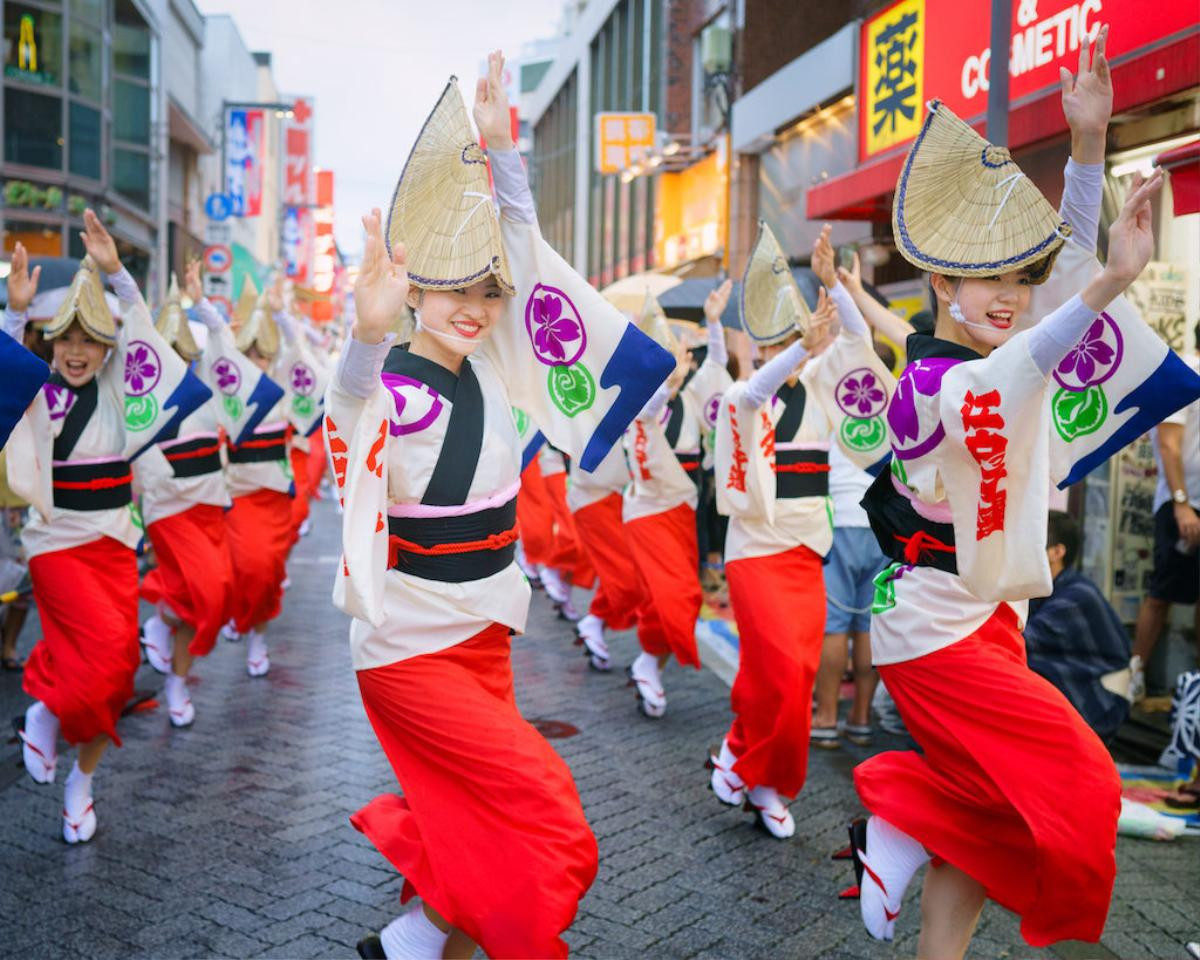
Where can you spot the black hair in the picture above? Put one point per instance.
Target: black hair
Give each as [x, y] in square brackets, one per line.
[1062, 528]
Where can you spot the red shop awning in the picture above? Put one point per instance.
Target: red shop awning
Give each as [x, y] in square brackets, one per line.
[1184, 166]
[865, 193]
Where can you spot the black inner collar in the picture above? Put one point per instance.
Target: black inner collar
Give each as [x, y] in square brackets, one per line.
[920, 346]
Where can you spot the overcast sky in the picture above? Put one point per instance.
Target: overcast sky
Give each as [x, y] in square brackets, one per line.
[375, 68]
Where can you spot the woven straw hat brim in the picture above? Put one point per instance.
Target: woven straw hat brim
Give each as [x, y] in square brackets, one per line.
[652, 321]
[771, 304]
[86, 304]
[259, 331]
[172, 323]
[964, 208]
[442, 209]
[244, 309]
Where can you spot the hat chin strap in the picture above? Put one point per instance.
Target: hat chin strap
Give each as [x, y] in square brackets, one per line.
[960, 317]
[418, 327]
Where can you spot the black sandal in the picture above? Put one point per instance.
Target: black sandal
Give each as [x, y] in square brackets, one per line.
[12, 664]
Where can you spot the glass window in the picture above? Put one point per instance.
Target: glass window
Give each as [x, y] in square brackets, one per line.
[84, 73]
[131, 176]
[32, 45]
[88, 9]
[131, 112]
[130, 41]
[84, 141]
[32, 128]
[40, 239]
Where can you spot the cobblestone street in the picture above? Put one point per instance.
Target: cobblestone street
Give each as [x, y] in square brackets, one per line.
[232, 838]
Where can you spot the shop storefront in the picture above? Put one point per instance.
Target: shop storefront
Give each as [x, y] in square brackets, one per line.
[691, 217]
[916, 50]
[78, 118]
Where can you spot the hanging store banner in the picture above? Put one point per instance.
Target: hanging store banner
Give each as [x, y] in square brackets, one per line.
[244, 140]
[297, 155]
[917, 50]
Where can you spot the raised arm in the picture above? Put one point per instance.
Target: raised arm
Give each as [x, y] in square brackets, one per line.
[1130, 246]
[209, 315]
[714, 306]
[768, 378]
[103, 249]
[380, 293]
[283, 319]
[1087, 99]
[494, 121]
[22, 285]
[822, 265]
[878, 316]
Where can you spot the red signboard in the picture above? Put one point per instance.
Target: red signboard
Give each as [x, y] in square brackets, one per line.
[918, 50]
[297, 155]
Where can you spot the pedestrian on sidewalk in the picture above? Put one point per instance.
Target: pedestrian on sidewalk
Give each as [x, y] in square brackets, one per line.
[773, 466]
[112, 395]
[489, 832]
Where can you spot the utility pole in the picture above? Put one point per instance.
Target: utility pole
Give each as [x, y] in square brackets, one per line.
[997, 108]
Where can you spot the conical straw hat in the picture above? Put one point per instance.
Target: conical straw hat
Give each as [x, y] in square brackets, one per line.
[442, 209]
[85, 302]
[257, 326]
[172, 323]
[771, 303]
[963, 208]
[652, 321]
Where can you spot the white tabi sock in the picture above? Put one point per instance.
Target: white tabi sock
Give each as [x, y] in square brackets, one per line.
[41, 732]
[412, 936]
[77, 793]
[891, 859]
[557, 589]
[179, 703]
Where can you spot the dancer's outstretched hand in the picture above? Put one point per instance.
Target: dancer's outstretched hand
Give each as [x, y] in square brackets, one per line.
[1087, 96]
[491, 106]
[716, 302]
[99, 243]
[823, 259]
[381, 291]
[1131, 237]
[22, 284]
[192, 285]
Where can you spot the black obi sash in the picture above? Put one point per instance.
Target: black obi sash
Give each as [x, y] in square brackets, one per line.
[104, 485]
[194, 458]
[454, 549]
[262, 447]
[798, 473]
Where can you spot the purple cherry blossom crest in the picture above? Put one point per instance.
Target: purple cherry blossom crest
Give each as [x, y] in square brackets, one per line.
[712, 409]
[860, 394]
[303, 379]
[554, 326]
[143, 369]
[1094, 358]
[227, 375]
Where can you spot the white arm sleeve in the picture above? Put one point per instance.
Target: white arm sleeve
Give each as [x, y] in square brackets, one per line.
[209, 315]
[716, 344]
[655, 404]
[14, 323]
[512, 186]
[287, 326]
[848, 312]
[1053, 338]
[1083, 189]
[771, 375]
[360, 365]
[125, 286]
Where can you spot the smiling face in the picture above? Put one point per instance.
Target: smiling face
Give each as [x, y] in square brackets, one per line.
[990, 305]
[77, 356]
[469, 313]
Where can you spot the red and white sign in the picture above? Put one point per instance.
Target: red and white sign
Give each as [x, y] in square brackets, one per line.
[918, 50]
[297, 155]
[217, 259]
[244, 139]
[324, 260]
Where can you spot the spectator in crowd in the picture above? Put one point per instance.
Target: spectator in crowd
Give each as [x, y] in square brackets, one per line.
[1074, 638]
[1176, 574]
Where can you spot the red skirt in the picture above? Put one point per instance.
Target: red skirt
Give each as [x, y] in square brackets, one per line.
[1013, 788]
[779, 603]
[317, 461]
[490, 832]
[664, 549]
[299, 505]
[82, 668]
[260, 534]
[602, 536]
[568, 554]
[194, 576]
[535, 516]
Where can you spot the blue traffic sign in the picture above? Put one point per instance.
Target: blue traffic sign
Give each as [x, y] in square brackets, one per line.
[218, 206]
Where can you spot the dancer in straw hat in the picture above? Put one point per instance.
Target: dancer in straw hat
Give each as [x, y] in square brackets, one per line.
[984, 416]
[113, 395]
[772, 470]
[664, 450]
[259, 476]
[489, 832]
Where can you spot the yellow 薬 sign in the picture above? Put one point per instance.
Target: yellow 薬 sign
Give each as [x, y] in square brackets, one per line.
[894, 67]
